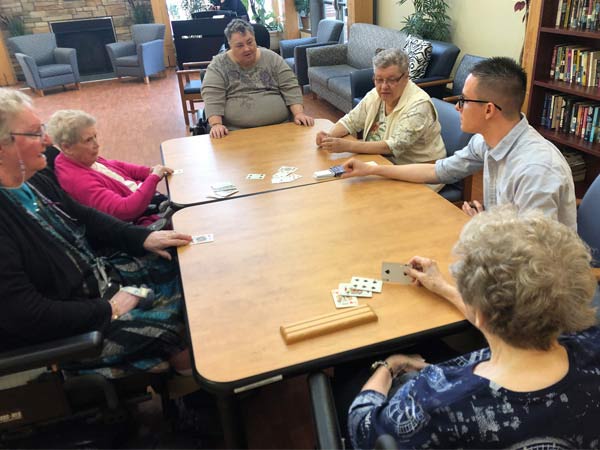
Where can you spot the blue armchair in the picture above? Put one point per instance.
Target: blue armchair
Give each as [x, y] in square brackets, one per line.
[142, 57]
[45, 65]
[294, 50]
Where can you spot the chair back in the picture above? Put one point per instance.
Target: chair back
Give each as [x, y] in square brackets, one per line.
[261, 34]
[454, 138]
[588, 219]
[443, 57]
[462, 72]
[147, 32]
[329, 30]
[38, 46]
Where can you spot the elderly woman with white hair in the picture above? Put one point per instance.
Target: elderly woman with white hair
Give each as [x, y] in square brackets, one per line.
[397, 118]
[123, 190]
[54, 283]
[525, 282]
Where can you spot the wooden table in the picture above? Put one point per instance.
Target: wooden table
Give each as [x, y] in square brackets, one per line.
[207, 161]
[276, 257]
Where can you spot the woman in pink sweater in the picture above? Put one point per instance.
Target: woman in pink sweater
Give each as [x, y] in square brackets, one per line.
[121, 189]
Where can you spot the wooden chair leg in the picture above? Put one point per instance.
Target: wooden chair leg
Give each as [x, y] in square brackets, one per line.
[186, 116]
[39, 92]
[147, 80]
[78, 86]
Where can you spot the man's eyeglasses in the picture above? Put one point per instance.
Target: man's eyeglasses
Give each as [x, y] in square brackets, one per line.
[389, 81]
[462, 100]
[40, 135]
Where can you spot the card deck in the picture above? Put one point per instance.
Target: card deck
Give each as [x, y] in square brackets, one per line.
[347, 289]
[343, 301]
[255, 176]
[202, 239]
[395, 273]
[367, 284]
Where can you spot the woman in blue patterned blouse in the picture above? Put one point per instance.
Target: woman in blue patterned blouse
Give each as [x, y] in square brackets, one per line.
[525, 282]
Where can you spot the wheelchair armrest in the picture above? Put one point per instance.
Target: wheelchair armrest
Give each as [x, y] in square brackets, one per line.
[327, 428]
[55, 352]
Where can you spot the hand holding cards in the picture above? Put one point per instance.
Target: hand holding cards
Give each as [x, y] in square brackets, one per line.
[395, 273]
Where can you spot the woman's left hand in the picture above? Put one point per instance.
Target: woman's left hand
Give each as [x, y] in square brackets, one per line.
[303, 119]
[158, 241]
[161, 171]
[406, 363]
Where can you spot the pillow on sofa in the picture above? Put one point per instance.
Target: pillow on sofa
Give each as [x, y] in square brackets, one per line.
[419, 53]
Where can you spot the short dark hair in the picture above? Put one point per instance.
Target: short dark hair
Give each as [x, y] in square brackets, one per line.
[238, 26]
[503, 81]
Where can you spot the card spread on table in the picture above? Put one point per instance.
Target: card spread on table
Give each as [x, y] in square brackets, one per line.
[367, 284]
[224, 186]
[285, 174]
[177, 171]
[222, 194]
[255, 176]
[343, 301]
[202, 239]
[395, 273]
[347, 289]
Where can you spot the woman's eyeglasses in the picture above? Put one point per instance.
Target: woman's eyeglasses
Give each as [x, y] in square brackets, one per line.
[40, 135]
[389, 81]
[462, 100]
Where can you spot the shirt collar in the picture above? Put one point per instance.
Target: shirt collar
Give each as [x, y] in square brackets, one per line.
[507, 143]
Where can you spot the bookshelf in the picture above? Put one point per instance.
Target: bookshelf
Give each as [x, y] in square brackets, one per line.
[543, 36]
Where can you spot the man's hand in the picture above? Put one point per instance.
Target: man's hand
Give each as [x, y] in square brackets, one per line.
[303, 119]
[356, 168]
[218, 131]
[158, 241]
[473, 208]
[336, 145]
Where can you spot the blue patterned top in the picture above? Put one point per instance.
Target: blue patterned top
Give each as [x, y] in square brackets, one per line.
[447, 406]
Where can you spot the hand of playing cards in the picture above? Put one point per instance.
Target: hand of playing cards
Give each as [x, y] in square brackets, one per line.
[346, 295]
[285, 174]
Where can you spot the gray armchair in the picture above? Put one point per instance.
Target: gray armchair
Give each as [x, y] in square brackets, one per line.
[45, 65]
[142, 57]
[294, 50]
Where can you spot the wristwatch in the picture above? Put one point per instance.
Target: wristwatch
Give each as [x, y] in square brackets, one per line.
[378, 364]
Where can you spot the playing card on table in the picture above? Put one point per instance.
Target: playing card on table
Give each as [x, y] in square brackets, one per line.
[224, 186]
[286, 170]
[366, 284]
[277, 178]
[395, 273]
[222, 194]
[347, 289]
[343, 301]
[177, 171]
[255, 176]
[202, 239]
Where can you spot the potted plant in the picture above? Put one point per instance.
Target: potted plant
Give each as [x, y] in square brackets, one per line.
[15, 26]
[141, 11]
[303, 8]
[429, 21]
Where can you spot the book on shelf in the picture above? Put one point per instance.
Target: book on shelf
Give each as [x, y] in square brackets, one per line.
[575, 64]
[578, 14]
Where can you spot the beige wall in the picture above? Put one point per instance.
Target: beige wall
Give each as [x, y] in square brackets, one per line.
[479, 27]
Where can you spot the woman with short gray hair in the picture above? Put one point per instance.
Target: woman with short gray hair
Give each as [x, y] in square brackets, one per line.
[397, 118]
[123, 190]
[525, 281]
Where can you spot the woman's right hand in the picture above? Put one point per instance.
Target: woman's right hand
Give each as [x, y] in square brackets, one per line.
[218, 131]
[123, 302]
[320, 136]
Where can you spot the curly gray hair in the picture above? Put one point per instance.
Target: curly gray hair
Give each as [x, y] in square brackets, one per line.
[238, 26]
[66, 125]
[527, 274]
[391, 57]
[12, 103]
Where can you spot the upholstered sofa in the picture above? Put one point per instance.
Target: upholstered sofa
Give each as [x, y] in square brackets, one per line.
[329, 67]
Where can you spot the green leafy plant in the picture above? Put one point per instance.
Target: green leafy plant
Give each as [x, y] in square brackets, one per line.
[429, 21]
[303, 7]
[191, 6]
[13, 24]
[141, 11]
[264, 17]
